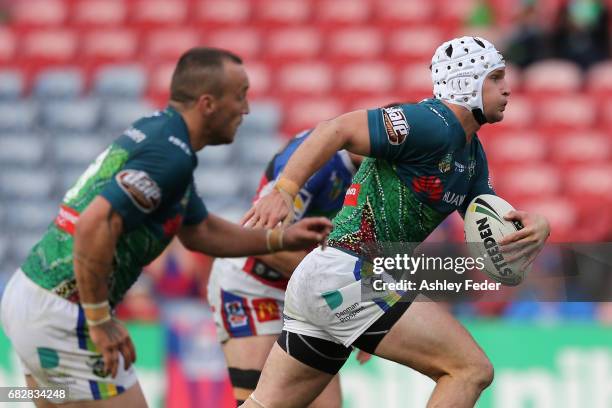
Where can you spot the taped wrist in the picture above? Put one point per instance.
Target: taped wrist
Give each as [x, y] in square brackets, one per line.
[274, 239]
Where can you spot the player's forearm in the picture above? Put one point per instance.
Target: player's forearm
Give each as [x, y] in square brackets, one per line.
[95, 238]
[218, 237]
[348, 131]
[310, 156]
[284, 262]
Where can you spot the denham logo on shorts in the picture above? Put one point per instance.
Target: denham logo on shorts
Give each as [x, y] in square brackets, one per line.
[396, 125]
[350, 312]
[352, 194]
[142, 189]
[266, 309]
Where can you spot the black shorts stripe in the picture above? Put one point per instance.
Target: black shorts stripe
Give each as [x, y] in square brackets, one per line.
[323, 355]
[244, 378]
[372, 337]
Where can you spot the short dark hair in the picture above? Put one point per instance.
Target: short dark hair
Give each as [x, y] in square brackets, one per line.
[197, 72]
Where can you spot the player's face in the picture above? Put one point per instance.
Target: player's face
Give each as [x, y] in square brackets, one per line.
[495, 94]
[231, 105]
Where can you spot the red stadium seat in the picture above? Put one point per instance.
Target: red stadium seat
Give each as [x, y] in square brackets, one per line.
[374, 101]
[559, 211]
[49, 46]
[590, 187]
[222, 12]
[246, 42]
[8, 45]
[415, 79]
[38, 13]
[590, 180]
[88, 13]
[155, 13]
[536, 180]
[575, 111]
[557, 76]
[314, 78]
[414, 43]
[294, 42]
[306, 113]
[342, 11]
[259, 79]
[104, 46]
[159, 84]
[366, 77]
[362, 43]
[606, 115]
[284, 12]
[169, 44]
[403, 12]
[516, 147]
[581, 147]
[599, 80]
[453, 14]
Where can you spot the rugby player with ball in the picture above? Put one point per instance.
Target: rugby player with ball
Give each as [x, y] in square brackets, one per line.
[424, 162]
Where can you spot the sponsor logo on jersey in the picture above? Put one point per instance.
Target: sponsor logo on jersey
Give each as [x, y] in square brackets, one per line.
[430, 185]
[182, 145]
[396, 125]
[140, 188]
[489, 183]
[266, 309]
[453, 199]
[446, 163]
[66, 219]
[135, 134]
[352, 195]
[459, 167]
[236, 316]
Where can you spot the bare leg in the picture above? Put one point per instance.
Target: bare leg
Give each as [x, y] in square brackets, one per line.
[426, 338]
[285, 382]
[39, 402]
[250, 353]
[430, 340]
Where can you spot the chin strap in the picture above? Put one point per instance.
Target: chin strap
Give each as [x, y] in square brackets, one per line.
[479, 116]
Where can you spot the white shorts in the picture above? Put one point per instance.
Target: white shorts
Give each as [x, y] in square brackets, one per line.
[324, 298]
[52, 341]
[242, 305]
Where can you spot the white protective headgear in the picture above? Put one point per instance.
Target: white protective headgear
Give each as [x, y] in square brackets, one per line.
[458, 70]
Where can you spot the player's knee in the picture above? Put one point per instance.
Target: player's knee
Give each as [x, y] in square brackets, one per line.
[480, 372]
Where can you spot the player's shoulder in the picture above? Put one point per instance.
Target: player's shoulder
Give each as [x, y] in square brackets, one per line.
[164, 131]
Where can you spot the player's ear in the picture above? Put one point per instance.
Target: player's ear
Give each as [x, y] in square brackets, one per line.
[206, 104]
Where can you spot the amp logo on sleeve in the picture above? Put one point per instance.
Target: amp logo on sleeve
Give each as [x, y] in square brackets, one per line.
[140, 188]
[396, 125]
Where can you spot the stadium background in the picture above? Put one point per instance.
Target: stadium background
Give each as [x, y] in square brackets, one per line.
[75, 73]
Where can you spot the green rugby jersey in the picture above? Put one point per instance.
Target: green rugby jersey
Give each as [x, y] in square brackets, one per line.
[419, 171]
[147, 176]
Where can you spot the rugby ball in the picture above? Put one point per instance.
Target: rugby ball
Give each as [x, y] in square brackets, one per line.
[484, 226]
